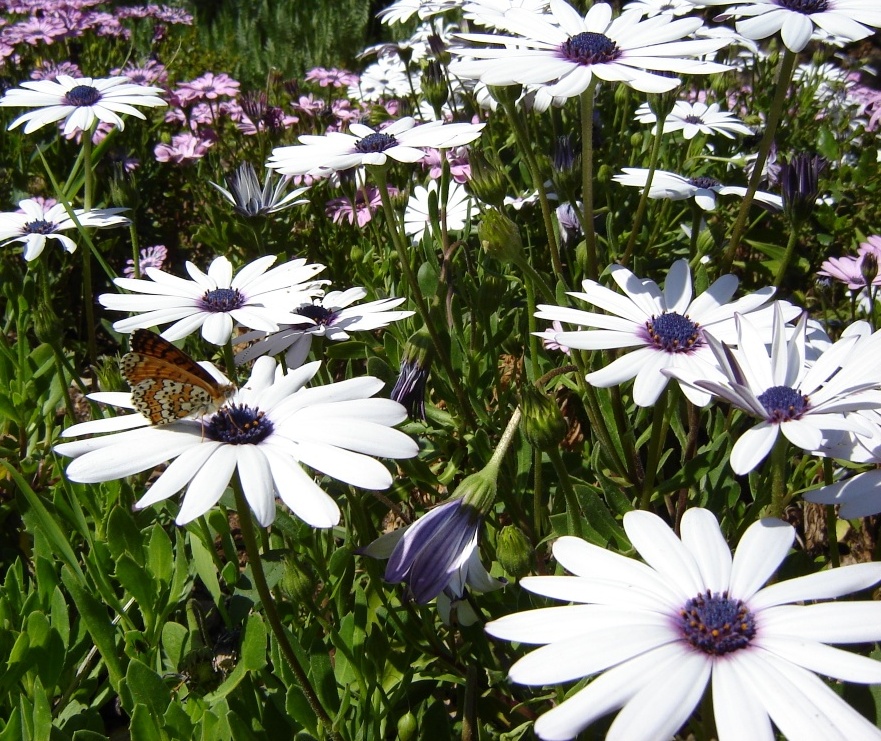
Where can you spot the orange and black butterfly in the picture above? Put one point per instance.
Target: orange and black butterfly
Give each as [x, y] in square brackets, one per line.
[167, 384]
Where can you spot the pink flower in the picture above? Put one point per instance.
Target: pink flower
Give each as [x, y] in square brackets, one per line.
[208, 86]
[309, 105]
[849, 269]
[547, 338]
[359, 211]
[333, 77]
[50, 70]
[460, 168]
[150, 73]
[184, 149]
[150, 257]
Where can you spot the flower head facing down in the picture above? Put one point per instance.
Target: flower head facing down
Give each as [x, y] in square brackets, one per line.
[79, 102]
[564, 52]
[332, 316]
[319, 156]
[657, 633]
[677, 188]
[267, 431]
[669, 328]
[802, 400]
[255, 297]
[37, 221]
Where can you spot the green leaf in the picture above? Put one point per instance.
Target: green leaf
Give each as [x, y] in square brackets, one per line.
[147, 688]
[37, 518]
[144, 726]
[174, 637]
[159, 554]
[204, 564]
[103, 633]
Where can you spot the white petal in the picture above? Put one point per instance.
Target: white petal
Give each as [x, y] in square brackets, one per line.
[663, 551]
[702, 536]
[257, 483]
[208, 485]
[762, 548]
[753, 447]
[738, 713]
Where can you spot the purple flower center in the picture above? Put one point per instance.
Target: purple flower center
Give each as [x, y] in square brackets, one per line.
[717, 624]
[673, 332]
[804, 6]
[377, 142]
[590, 48]
[239, 425]
[222, 300]
[318, 314]
[693, 119]
[40, 226]
[705, 182]
[783, 403]
[82, 95]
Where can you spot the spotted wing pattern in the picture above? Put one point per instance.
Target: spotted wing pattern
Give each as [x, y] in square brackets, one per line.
[167, 384]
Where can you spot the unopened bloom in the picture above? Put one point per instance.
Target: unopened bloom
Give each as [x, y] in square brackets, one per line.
[249, 199]
[79, 102]
[654, 635]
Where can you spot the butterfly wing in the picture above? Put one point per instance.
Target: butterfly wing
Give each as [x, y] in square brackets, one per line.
[152, 352]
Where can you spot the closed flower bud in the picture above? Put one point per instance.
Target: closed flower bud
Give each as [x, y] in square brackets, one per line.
[869, 267]
[407, 727]
[500, 237]
[543, 424]
[514, 551]
[434, 86]
[416, 362]
[486, 183]
[296, 584]
[800, 183]
[605, 174]
[505, 93]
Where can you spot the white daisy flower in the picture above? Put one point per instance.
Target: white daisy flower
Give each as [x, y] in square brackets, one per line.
[256, 298]
[319, 156]
[669, 328]
[35, 222]
[795, 19]
[803, 401]
[677, 188]
[566, 51]
[79, 102]
[652, 8]
[331, 316]
[491, 13]
[695, 118]
[401, 11]
[457, 211]
[270, 428]
[658, 633]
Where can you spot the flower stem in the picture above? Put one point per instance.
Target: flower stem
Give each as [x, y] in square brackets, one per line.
[574, 513]
[787, 255]
[778, 477]
[831, 518]
[644, 198]
[418, 298]
[537, 182]
[505, 441]
[253, 551]
[88, 299]
[591, 269]
[784, 77]
[660, 423]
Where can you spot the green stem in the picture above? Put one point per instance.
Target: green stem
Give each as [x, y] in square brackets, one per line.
[88, 298]
[574, 513]
[505, 441]
[591, 268]
[831, 519]
[787, 255]
[287, 650]
[778, 477]
[784, 77]
[418, 298]
[525, 145]
[656, 445]
[697, 215]
[654, 155]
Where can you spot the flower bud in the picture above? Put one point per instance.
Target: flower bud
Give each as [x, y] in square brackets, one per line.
[407, 727]
[500, 237]
[503, 94]
[869, 267]
[295, 583]
[543, 424]
[416, 362]
[514, 551]
[434, 86]
[486, 183]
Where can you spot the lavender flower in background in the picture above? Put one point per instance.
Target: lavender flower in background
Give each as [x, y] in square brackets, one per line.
[150, 257]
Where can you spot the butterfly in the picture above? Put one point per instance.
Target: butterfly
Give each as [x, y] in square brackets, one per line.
[167, 384]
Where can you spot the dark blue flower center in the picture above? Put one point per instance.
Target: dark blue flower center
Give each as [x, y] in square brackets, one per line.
[673, 332]
[783, 403]
[804, 6]
[691, 118]
[40, 226]
[373, 143]
[717, 624]
[82, 95]
[705, 182]
[318, 314]
[239, 424]
[222, 300]
[590, 48]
